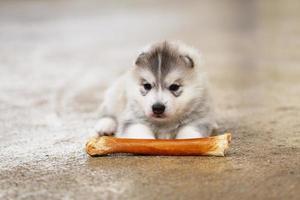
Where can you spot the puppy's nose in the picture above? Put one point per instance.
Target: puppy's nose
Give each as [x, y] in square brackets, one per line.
[158, 108]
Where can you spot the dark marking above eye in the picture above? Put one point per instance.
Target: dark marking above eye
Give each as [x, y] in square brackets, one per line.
[174, 87]
[160, 59]
[147, 86]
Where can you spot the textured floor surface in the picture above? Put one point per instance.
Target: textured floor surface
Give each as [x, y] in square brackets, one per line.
[57, 57]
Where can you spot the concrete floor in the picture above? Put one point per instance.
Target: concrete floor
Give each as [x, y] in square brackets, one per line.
[57, 57]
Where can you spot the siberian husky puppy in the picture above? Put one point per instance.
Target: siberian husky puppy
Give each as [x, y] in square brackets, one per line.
[163, 95]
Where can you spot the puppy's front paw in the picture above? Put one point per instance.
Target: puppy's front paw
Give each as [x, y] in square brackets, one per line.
[191, 132]
[106, 126]
[137, 131]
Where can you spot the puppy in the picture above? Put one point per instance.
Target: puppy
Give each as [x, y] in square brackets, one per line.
[164, 95]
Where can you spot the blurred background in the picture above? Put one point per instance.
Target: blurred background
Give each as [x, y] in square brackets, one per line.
[57, 57]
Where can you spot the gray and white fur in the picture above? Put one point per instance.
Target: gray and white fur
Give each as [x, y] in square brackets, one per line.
[163, 95]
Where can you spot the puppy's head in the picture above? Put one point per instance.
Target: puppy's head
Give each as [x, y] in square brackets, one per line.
[168, 80]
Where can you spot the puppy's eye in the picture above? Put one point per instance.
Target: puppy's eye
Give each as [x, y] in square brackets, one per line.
[174, 87]
[147, 86]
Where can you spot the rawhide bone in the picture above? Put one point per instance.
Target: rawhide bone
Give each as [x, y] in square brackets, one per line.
[210, 146]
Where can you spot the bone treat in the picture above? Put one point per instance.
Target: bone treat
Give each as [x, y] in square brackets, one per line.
[210, 146]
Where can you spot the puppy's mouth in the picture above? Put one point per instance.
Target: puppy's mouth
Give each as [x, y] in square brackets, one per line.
[158, 116]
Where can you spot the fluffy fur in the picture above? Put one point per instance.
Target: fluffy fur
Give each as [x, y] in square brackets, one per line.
[127, 109]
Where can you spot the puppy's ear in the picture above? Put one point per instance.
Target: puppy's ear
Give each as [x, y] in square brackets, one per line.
[141, 59]
[188, 61]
